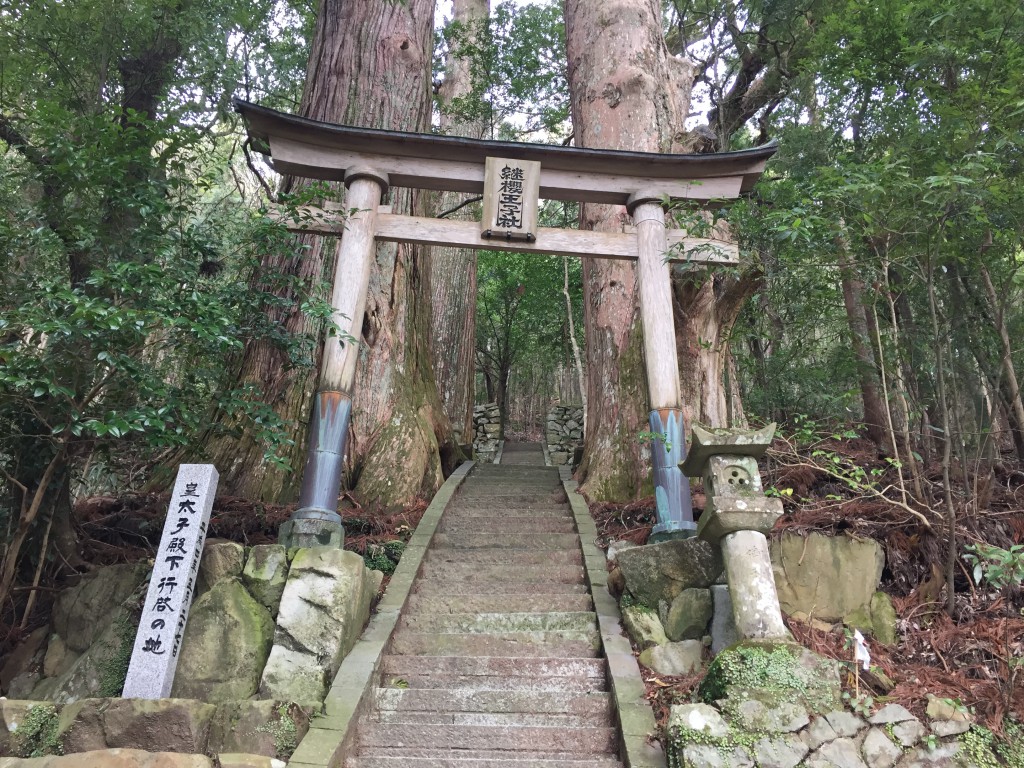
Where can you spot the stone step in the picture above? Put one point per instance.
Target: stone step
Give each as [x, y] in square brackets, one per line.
[495, 673]
[443, 758]
[510, 497]
[452, 589]
[446, 570]
[498, 556]
[507, 525]
[522, 739]
[493, 720]
[467, 700]
[534, 644]
[497, 604]
[501, 623]
[528, 541]
[474, 511]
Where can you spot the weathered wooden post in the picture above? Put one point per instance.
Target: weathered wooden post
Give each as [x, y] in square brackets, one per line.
[316, 522]
[671, 488]
[737, 516]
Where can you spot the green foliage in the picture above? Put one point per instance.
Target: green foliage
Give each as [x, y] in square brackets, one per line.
[517, 70]
[384, 557]
[999, 567]
[36, 735]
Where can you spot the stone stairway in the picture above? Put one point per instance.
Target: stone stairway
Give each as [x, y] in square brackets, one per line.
[496, 661]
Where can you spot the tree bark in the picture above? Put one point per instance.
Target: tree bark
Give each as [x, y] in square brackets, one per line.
[857, 319]
[453, 270]
[627, 93]
[369, 66]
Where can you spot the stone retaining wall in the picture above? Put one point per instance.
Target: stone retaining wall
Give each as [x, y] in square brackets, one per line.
[564, 433]
[486, 432]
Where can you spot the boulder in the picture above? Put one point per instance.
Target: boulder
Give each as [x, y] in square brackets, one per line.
[226, 644]
[773, 673]
[681, 658]
[82, 613]
[59, 658]
[826, 577]
[785, 751]
[22, 668]
[878, 751]
[265, 574]
[28, 728]
[221, 560]
[687, 616]
[877, 619]
[160, 725]
[661, 571]
[101, 670]
[702, 718]
[269, 728]
[325, 605]
[643, 626]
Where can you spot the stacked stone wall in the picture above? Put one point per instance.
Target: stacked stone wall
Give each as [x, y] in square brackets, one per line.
[486, 432]
[564, 433]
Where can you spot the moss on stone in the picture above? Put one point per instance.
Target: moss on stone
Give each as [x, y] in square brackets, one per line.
[772, 673]
[36, 735]
[114, 669]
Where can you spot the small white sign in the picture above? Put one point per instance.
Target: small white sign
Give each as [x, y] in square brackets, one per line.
[155, 657]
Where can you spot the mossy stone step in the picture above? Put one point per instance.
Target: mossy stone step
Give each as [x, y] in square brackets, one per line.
[551, 644]
[490, 589]
[497, 556]
[526, 541]
[440, 569]
[520, 739]
[505, 525]
[471, 759]
[497, 665]
[495, 623]
[499, 719]
[418, 604]
[440, 700]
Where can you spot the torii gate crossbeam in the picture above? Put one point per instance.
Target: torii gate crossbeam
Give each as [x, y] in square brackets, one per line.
[369, 160]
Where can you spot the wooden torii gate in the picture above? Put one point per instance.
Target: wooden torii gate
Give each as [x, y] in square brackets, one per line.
[510, 176]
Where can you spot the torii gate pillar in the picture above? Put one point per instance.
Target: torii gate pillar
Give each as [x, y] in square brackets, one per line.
[671, 488]
[316, 522]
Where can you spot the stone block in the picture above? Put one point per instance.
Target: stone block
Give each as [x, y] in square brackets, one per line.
[682, 658]
[687, 616]
[725, 515]
[325, 605]
[271, 729]
[265, 574]
[160, 725]
[828, 577]
[225, 647]
[643, 626]
[723, 625]
[878, 751]
[221, 560]
[307, 533]
[661, 571]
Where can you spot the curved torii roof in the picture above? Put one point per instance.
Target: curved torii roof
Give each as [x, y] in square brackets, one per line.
[317, 150]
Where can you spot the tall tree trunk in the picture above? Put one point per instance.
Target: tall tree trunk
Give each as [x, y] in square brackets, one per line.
[453, 270]
[627, 93]
[860, 340]
[370, 66]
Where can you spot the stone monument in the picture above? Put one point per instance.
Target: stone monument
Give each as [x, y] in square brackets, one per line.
[155, 656]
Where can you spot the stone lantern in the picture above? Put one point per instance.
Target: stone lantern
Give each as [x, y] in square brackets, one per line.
[737, 515]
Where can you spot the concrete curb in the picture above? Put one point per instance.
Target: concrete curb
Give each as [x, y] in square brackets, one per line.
[331, 736]
[501, 449]
[636, 719]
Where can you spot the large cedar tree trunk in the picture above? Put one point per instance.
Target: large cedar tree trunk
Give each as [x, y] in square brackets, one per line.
[453, 270]
[627, 93]
[369, 66]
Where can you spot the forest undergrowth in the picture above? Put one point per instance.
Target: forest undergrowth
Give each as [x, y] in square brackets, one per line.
[971, 656]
